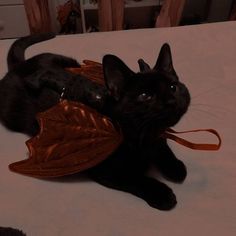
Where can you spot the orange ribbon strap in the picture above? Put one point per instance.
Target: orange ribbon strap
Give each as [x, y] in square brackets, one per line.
[169, 134]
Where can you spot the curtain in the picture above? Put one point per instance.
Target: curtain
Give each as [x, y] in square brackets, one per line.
[171, 13]
[111, 14]
[38, 15]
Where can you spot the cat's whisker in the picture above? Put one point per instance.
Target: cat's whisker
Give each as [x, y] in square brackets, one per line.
[212, 106]
[207, 108]
[205, 112]
[217, 109]
[210, 90]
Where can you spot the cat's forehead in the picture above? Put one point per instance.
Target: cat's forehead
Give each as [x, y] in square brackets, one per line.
[156, 76]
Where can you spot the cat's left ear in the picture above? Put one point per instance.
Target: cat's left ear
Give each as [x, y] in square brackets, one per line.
[116, 75]
[164, 60]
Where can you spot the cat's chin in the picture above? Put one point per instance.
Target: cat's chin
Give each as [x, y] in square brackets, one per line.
[171, 122]
[178, 114]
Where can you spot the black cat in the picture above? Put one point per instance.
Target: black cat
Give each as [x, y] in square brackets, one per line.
[144, 104]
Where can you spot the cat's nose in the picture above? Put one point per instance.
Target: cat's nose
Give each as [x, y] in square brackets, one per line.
[171, 102]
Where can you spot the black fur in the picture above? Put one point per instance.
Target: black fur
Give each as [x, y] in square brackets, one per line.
[144, 104]
[36, 84]
[8, 231]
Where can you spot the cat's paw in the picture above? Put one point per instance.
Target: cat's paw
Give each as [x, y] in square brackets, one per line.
[163, 200]
[174, 170]
[171, 168]
[160, 196]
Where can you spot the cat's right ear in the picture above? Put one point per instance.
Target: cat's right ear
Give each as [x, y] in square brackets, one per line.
[116, 75]
[164, 60]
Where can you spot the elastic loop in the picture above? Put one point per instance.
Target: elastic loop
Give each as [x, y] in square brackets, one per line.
[169, 134]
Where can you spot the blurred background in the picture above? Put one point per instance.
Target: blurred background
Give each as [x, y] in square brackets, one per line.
[22, 17]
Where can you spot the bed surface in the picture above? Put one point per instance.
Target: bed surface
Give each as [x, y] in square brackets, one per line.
[204, 57]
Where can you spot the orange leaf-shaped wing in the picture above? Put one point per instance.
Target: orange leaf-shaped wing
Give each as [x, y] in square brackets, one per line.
[90, 69]
[72, 138]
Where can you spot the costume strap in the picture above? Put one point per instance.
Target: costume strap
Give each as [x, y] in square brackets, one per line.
[170, 134]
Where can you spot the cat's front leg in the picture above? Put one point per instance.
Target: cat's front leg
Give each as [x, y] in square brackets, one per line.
[166, 161]
[155, 193]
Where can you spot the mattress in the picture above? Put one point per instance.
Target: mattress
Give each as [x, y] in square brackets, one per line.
[204, 57]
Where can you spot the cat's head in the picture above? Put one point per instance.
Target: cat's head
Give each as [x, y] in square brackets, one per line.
[152, 97]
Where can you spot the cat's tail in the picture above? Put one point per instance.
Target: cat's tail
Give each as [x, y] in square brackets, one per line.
[16, 53]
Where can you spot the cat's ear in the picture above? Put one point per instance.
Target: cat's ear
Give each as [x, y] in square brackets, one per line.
[116, 75]
[143, 66]
[164, 60]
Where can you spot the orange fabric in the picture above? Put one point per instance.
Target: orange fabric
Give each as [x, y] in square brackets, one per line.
[72, 138]
[197, 146]
[90, 69]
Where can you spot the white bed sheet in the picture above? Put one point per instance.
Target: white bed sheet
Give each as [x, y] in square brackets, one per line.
[205, 59]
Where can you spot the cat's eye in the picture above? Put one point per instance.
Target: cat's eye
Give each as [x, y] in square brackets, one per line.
[144, 97]
[173, 88]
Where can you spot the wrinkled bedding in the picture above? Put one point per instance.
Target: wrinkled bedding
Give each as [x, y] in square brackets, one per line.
[204, 57]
